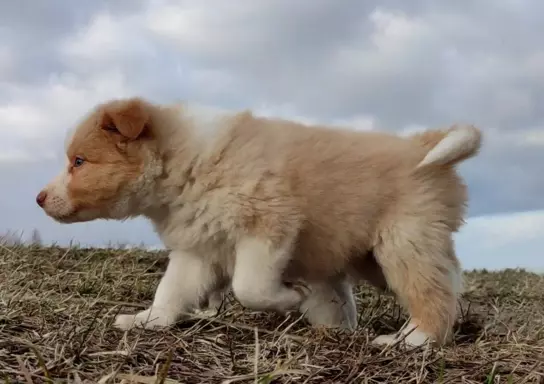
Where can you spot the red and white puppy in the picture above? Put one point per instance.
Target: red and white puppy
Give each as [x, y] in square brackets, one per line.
[250, 203]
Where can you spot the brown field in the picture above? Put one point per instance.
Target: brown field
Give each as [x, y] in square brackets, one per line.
[57, 305]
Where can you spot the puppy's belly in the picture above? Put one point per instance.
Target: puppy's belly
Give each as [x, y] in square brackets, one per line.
[362, 265]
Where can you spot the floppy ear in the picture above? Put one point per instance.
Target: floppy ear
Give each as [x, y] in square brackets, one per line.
[127, 117]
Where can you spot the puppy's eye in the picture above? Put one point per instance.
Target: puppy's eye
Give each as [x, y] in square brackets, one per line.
[78, 161]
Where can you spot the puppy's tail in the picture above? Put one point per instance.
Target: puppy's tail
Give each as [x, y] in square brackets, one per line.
[449, 147]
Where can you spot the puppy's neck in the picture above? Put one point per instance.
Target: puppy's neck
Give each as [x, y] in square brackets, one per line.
[205, 123]
[189, 136]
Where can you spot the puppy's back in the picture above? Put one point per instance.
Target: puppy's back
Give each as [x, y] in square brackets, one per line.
[345, 183]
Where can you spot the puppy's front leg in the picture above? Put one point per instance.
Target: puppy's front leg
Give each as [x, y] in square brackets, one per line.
[188, 278]
[257, 281]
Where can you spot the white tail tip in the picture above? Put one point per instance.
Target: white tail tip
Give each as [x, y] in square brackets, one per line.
[461, 142]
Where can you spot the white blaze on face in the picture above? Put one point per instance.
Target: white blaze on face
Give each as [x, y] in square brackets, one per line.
[57, 203]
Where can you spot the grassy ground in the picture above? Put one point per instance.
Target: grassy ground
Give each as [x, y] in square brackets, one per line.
[57, 305]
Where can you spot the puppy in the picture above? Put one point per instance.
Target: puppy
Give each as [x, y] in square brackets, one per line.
[251, 203]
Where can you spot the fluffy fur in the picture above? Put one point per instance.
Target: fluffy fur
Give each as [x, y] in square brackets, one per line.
[287, 215]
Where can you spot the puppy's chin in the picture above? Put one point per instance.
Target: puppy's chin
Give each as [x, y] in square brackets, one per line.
[76, 216]
[68, 219]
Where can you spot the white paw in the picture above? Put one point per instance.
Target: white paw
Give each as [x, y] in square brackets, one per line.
[414, 339]
[384, 340]
[328, 314]
[148, 319]
[208, 312]
[417, 338]
[349, 325]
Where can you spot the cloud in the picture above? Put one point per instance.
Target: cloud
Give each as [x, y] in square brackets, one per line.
[11, 155]
[399, 66]
[37, 120]
[7, 62]
[20, 119]
[105, 41]
[503, 241]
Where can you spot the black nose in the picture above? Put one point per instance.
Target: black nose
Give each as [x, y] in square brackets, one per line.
[40, 199]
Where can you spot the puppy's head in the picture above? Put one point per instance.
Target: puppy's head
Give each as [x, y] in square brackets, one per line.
[110, 157]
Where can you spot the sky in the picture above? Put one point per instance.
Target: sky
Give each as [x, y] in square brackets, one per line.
[398, 66]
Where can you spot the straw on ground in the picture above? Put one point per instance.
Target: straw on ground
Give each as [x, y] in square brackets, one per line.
[57, 307]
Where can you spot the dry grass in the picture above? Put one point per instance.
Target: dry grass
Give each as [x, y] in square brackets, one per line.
[57, 305]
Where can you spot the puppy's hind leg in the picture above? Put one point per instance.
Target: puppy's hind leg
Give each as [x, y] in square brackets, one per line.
[216, 301]
[420, 266]
[257, 281]
[331, 304]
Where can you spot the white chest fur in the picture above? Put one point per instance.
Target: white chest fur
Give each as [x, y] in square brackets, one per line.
[201, 233]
